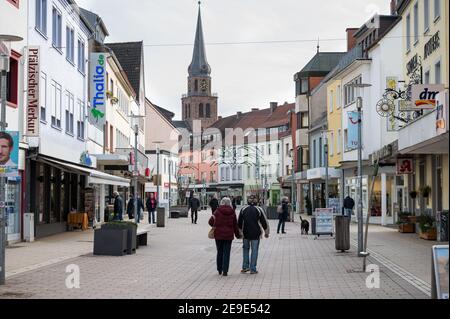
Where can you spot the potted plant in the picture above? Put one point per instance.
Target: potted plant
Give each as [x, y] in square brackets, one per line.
[427, 226]
[413, 194]
[404, 223]
[425, 190]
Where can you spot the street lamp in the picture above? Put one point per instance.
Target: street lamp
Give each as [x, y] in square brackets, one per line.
[359, 106]
[326, 150]
[135, 124]
[5, 44]
[157, 171]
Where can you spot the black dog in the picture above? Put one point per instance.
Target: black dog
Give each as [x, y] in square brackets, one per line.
[305, 226]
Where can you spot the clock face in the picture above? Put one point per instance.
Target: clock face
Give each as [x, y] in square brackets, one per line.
[204, 86]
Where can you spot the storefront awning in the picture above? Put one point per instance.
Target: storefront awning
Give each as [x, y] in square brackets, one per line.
[94, 176]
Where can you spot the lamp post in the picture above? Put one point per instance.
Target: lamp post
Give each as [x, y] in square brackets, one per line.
[359, 106]
[135, 123]
[326, 150]
[158, 151]
[5, 43]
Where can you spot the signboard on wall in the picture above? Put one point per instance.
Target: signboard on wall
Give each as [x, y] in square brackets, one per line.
[33, 77]
[97, 88]
[405, 166]
[425, 96]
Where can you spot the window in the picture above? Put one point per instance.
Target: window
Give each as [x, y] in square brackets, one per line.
[437, 72]
[196, 85]
[416, 23]
[408, 33]
[288, 150]
[320, 152]
[165, 167]
[200, 110]
[278, 148]
[346, 140]
[56, 105]
[437, 9]
[304, 86]
[263, 150]
[239, 173]
[331, 101]
[331, 144]
[211, 177]
[41, 16]
[81, 124]
[111, 86]
[339, 142]
[106, 139]
[43, 96]
[70, 43]
[249, 172]
[269, 149]
[69, 112]
[427, 77]
[81, 57]
[350, 92]
[111, 139]
[426, 13]
[314, 154]
[12, 80]
[57, 29]
[189, 111]
[339, 97]
[302, 120]
[208, 110]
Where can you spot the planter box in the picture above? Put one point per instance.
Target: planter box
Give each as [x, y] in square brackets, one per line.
[110, 242]
[183, 211]
[429, 235]
[131, 230]
[412, 219]
[407, 228]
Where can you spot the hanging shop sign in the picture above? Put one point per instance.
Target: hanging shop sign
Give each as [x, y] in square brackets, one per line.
[442, 114]
[33, 76]
[97, 88]
[405, 166]
[412, 65]
[425, 96]
[432, 45]
[9, 154]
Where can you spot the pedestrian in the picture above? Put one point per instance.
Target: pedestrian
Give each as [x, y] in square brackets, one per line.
[226, 228]
[130, 207]
[251, 219]
[349, 205]
[194, 205]
[234, 203]
[140, 210]
[118, 207]
[214, 203]
[151, 204]
[283, 214]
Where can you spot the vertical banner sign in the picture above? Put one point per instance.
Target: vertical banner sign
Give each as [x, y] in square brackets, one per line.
[97, 86]
[9, 154]
[33, 76]
[441, 114]
[353, 142]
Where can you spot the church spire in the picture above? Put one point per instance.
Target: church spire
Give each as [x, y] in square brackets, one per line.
[199, 65]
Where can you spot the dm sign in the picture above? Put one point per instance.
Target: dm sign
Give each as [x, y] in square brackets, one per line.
[425, 96]
[97, 94]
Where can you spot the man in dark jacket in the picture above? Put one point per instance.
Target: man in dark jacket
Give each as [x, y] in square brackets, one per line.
[283, 215]
[251, 219]
[214, 204]
[130, 209]
[349, 204]
[152, 205]
[118, 207]
[194, 205]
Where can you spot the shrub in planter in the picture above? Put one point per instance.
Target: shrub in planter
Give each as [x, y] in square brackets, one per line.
[427, 226]
[426, 190]
[404, 223]
[131, 229]
[413, 194]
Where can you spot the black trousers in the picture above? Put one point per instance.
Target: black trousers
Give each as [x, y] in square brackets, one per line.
[281, 223]
[223, 255]
[194, 215]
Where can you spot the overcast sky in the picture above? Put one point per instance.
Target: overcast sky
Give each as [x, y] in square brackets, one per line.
[244, 75]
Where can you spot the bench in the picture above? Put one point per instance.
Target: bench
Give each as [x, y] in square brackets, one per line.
[142, 237]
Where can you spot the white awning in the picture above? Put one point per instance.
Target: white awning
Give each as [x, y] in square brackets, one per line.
[94, 176]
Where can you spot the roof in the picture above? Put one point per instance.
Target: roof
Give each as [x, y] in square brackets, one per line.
[181, 125]
[130, 55]
[199, 65]
[321, 64]
[163, 112]
[93, 19]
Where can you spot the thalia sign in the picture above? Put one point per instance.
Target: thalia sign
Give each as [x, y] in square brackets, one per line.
[97, 90]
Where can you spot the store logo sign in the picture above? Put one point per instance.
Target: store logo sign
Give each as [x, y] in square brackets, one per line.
[33, 76]
[98, 89]
[405, 166]
[425, 96]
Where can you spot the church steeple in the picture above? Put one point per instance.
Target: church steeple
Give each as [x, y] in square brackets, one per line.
[199, 65]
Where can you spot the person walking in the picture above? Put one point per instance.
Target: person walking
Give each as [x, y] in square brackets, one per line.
[349, 205]
[194, 205]
[214, 203]
[140, 210]
[283, 214]
[118, 207]
[152, 205]
[234, 203]
[251, 219]
[130, 207]
[226, 228]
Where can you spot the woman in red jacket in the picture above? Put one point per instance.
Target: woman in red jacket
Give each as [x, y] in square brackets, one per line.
[226, 228]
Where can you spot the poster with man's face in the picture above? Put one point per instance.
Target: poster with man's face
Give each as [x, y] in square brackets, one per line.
[9, 154]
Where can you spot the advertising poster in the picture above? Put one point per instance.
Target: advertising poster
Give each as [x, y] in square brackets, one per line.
[441, 115]
[440, 259]
[9, 154]
[324, 221]
[353, 142]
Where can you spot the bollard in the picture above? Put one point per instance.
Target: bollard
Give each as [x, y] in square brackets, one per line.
[342, 233]
[161, 217]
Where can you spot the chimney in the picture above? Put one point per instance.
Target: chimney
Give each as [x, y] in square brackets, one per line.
[273, 107]
[351, 40]
[255, 109]
[239, 115]
[393, 7]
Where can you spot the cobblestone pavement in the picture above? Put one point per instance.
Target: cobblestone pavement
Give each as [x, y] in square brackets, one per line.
[179, 263]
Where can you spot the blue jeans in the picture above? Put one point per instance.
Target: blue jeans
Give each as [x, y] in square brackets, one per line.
[151, 217]
[348, 212]
[250, 262]
[138, 217]
[223, 255]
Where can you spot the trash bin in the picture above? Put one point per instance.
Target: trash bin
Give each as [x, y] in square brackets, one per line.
[313, 225]
[161, 217]
[342, 233]
[28, 227]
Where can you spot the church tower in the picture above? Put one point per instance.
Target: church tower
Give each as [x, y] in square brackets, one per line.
[199, 103]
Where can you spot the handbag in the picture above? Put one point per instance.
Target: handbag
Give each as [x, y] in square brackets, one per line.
[280, 209]
[211, 232]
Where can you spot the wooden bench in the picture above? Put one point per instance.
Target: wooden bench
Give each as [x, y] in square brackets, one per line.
[142, 237]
